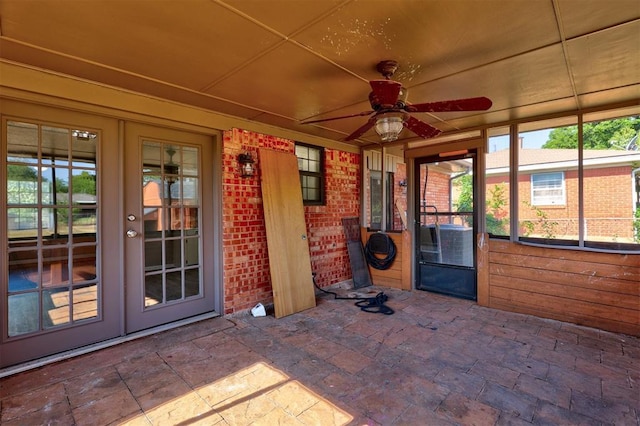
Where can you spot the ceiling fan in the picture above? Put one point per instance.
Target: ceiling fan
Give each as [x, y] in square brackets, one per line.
[391, 112]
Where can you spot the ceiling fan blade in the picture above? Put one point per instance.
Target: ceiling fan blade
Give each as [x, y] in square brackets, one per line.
[362, 129]
[470, 104]
[384, 92]
[360, 114]
[421, 128]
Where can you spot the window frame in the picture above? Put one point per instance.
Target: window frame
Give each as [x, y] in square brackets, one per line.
[584, 240]
[320, 175]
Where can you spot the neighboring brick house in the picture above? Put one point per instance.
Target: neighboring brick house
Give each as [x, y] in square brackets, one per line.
[548, 192]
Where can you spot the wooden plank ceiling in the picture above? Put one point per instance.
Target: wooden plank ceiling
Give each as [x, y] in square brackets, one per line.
[283, 61]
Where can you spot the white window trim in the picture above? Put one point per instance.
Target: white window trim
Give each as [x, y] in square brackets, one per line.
[549, 200]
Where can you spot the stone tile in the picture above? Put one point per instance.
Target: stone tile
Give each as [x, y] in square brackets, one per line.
[624, 394]
[463, 410]
[543, 390]
[29, 402]
[323, 412]
[510, 401]
[552, 357]
[159, 396]
[422, 392]
[95, 385]
[586, 383]
[559, 335]
[419, 415]
[607, 411]
[526, 365]
[552, 415]
[106, 410]
[248, 410]
[183, 353]
[350, 361]
[50, 414]
[510, 347]
[379, 405]
[496, 373]
[146, 374]
[323, 348]
[188, 409]
[458, 381]
[293, 398]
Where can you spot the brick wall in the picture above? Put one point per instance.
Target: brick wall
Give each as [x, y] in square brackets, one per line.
[245, 255]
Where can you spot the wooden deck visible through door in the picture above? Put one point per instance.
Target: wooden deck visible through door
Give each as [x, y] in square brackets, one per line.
[289, 259]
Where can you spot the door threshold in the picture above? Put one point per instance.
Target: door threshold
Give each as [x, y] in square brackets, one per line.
[41, 362]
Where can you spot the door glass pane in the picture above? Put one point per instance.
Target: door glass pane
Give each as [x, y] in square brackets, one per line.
[174, 286]
[55, 306]
[153, 290]
[190, 191]
[153, 255]
[55, 266]
[170, 198]
[85, 302]
[62, 171]
[23, 270]
[191, 251]
[173, 253]
[446, 212]
[23, 313]
[22, 141]
[84, 264]
[191, 282]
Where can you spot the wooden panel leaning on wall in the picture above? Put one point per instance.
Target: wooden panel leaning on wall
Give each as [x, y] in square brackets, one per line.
[289, 258]
[600, 290]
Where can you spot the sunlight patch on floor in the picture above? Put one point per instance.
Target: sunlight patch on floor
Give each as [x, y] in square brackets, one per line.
[258, 394]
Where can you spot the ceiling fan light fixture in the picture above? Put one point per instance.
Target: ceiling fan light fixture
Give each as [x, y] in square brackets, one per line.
[389, 127]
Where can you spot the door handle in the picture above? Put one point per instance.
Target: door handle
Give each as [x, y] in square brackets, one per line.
[131, 233]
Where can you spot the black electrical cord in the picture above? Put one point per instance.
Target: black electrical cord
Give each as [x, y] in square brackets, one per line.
[373, 305]
[381, 244]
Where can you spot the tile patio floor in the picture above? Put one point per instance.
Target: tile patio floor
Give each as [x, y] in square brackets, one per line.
[436, 361]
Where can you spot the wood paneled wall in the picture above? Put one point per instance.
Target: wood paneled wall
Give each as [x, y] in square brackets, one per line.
[399, 274]
[600, 290]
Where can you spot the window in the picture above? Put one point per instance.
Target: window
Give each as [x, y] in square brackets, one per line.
[549, 181]
[497, 178]
[311, 168]
[578, 181]
[52, 226]
[547, 189]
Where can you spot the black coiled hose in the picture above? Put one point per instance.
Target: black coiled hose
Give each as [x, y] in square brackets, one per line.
[380, 243]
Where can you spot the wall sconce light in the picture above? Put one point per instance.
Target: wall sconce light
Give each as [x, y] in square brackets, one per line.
[388, 127]
[246, 165]
[402, 183]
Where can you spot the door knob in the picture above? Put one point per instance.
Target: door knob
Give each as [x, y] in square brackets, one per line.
[131, 233]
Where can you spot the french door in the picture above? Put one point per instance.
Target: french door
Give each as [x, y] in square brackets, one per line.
[445, 225]
[59, 277]
[101, 235]
[169, 226]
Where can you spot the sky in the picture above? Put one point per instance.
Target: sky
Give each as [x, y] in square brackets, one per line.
[531, 140]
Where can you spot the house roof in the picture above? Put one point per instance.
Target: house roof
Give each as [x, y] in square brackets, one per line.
[278, 62]
[560, 158]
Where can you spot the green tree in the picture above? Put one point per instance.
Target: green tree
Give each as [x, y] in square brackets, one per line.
[21, 173]
[607, 134]
[496, 217]
[84, 183]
